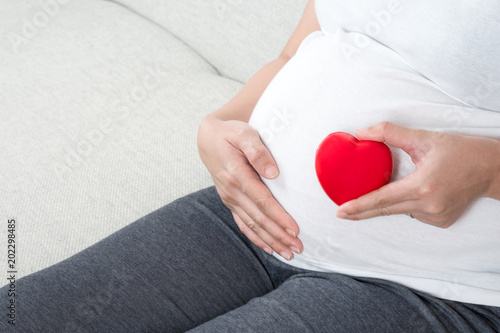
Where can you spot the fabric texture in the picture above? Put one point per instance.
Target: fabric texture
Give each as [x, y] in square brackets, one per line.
[453, 44]
[237, 37]
[328, 87]
[187, 266]
[99, 109]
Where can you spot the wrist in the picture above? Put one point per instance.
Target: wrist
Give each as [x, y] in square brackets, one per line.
[230, 112]
[205, 130]
[493, 190]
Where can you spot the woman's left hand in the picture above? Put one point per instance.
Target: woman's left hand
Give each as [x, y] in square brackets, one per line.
[452, 171]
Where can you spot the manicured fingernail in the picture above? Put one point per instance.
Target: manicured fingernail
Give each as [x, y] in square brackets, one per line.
[291, 232]
[342, 215]
[286, 255]
[294, 249]
[268, 250]
[270, 171]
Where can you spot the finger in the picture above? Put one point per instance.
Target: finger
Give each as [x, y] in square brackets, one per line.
[264, 225]
[269, 240]
[269, 227]
[405, 207]
[388, 195]
[234, 182]
[250, 144]
[392, 134]
[265, 203]
[250, 234]
[266, 216]
[254, 191]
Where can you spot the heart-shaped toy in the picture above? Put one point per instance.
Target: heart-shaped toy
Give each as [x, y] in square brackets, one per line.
[348, 168]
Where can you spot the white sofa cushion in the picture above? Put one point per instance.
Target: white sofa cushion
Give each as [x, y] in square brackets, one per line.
[99, 109]
[238, 37]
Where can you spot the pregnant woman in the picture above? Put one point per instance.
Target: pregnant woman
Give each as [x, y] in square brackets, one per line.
[266, 250]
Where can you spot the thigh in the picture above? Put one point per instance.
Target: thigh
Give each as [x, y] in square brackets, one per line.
[328, 302]
[169, 271]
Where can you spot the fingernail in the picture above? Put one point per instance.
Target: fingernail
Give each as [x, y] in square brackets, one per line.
[362, 132]
[268, 250]
[286, 255]
[291, 232]
[342, 215]
[270, 171]
[294, 249]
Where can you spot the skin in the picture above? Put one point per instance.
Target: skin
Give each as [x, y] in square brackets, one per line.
[452, 170]
[235, 156]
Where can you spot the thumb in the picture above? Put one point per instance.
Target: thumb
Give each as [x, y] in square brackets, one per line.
[392, 134]
[257, 154]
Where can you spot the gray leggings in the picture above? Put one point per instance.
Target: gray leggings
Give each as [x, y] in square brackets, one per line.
[187, 267]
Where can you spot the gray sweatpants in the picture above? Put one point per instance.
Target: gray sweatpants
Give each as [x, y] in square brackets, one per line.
[187, 266]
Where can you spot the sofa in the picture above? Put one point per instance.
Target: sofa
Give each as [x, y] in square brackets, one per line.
[100, 102]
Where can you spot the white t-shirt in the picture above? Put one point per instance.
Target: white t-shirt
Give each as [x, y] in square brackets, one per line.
[422, 64]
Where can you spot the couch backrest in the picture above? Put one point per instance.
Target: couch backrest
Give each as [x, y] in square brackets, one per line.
[236, 36]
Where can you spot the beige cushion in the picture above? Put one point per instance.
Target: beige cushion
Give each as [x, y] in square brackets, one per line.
[100, 106]
[99, 112]
[237, 37]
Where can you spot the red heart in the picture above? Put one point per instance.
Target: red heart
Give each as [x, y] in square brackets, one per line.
[348, 168]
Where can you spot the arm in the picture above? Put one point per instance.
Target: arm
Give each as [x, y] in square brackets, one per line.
[243, 103]
[494, 189]
[235, 156]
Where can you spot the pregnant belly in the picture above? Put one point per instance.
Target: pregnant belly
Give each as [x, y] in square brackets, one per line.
[330, 87]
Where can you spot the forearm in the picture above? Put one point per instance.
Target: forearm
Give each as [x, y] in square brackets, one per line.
[243, 103]
[494, 189]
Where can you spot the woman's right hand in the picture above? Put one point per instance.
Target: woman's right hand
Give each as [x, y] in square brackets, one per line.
[235, 156]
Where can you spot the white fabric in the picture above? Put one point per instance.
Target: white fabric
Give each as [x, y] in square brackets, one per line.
[410, 76]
